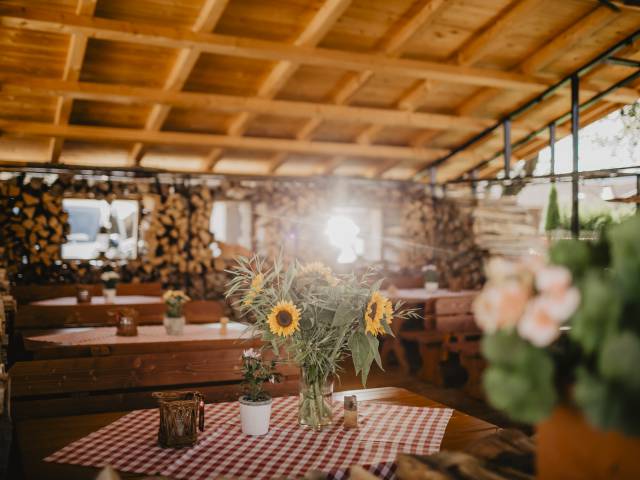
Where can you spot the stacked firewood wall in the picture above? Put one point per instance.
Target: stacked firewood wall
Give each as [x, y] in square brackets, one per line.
[440, 232]
[178, 242]
[289, 216]
[33, 226]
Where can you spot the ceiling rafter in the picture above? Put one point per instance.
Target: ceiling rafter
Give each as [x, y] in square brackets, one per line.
[584, 27]
[33, 19]
[391, 45]
[132, 95]
[113, 134]
[479, 44]
[72, 68]
[311, 35]
[589, 24]
[186, 59]
[471, 52]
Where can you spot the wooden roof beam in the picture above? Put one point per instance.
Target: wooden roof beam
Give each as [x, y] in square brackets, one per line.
[128, 95]
[282, 71]
[480, 43]
[186, 59]
[599, 18]
[32, 19]
[111, 134]
[471, 52]
[72, 68]
[391, 45]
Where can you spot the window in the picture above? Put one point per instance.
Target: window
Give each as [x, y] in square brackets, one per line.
[356, 233]
[101, 228]
[231, 222]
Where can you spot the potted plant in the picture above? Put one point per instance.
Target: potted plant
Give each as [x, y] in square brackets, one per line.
[109, 281]
[313, 318]
[563, 348]
[255, 403]
[174, 318]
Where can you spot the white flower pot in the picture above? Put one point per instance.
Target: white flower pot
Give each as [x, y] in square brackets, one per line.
[109, 295]
[431, 286]
[174, 325]
[255, 416]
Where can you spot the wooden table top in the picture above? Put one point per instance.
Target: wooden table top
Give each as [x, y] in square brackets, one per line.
[98, 300]
[92, 341]
[93, 336]
[39, 438]
[413, 295]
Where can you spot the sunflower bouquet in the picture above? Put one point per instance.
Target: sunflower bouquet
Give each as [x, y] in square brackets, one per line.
[314, 318]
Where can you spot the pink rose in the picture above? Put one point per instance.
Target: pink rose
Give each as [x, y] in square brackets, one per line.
[553, 279]
[500, 306]
[538, 324]
[562, 304]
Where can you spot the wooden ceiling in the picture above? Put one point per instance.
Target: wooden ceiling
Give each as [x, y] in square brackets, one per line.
[376, 88]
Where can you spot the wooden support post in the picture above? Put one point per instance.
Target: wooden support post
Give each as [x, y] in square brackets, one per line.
[575, 127]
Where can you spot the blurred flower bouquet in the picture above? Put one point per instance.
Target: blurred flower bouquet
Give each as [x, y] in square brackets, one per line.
[314, 318]
[110, 279]
[174, 320]
[175, 300]
[567, 331]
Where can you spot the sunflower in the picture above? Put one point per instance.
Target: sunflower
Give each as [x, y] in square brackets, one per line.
[320, 269]
[284, 319]
[254, 289]
[377, 308]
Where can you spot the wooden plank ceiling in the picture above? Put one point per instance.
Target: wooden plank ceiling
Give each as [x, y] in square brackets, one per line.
[374, 88]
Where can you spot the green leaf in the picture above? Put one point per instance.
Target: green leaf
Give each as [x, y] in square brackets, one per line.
[344, 315]
[573, 254]
[619, 360]
[374, 345]
[376, 285]
[599, 312]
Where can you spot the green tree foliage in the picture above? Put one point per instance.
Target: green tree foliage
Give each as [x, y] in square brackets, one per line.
[552, 221]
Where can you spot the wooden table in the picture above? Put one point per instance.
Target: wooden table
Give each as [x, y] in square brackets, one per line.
[92, 370]
[67, 312]
[41, 437]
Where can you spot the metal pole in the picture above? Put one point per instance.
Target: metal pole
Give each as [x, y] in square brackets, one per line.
[552, 147]
[506, 128]
[474, 189]
[638, 193]
[432, 179]
[575, 127]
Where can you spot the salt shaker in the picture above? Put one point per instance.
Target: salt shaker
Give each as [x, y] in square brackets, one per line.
[350, 411]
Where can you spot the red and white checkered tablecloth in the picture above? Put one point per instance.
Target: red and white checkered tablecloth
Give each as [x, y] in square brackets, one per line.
[130, 443]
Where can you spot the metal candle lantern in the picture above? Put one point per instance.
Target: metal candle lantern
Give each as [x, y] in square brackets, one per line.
[181, 416]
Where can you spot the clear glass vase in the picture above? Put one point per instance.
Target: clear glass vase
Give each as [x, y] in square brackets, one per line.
[315, 407]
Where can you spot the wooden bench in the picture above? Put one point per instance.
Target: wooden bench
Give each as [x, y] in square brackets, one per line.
[87, 370]
[449, 329]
